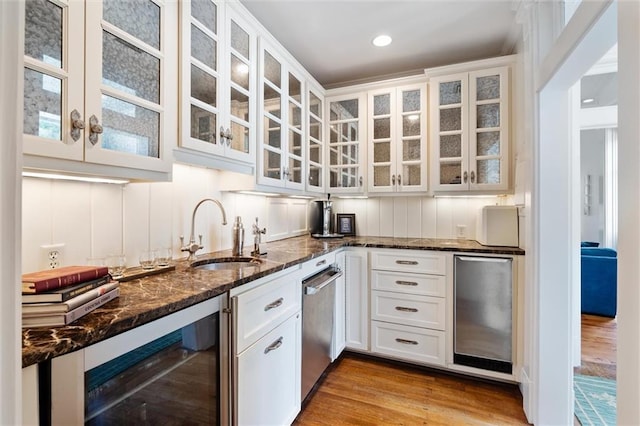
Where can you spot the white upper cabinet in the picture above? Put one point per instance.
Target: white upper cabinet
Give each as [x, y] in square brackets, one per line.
[397, 132]
[347, 138]
[281, 151]
[218, 69]
[315, 142]
[470, 130]
[100, 87]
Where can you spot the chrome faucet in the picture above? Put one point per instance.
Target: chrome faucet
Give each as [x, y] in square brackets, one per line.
[193, 247]
[257, 236]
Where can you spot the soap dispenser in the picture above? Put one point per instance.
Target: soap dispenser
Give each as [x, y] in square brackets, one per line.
[237, 237]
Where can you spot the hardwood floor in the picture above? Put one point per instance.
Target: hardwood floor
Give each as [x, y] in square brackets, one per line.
[599, 341]
[368, 391]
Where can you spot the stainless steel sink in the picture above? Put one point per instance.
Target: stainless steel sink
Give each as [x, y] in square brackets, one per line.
[217, 263]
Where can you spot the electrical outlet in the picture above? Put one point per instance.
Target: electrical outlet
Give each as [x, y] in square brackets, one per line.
[52, 256]
[461, 231]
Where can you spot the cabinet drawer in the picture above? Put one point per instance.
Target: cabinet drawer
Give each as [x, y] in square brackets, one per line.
[402, 282]
[263, 308]
[409, 261]
[419, 311]
[410, 343]
[316, 265]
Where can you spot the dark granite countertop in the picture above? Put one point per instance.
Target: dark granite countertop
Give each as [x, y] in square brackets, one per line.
[146, 299]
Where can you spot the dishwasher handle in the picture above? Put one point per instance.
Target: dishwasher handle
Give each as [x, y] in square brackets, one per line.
[329, 277]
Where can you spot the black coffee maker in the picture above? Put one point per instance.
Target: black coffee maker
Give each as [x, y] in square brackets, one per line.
[321, 219]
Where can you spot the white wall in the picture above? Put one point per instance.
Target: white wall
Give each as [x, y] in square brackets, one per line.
[95, 220]
[592, 164]
[415, 217]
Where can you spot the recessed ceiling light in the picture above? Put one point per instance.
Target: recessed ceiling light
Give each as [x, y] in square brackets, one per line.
[382, 40]
[588, 100]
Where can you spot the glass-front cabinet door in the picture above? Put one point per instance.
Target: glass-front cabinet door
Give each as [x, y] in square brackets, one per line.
[281, 154]
[54, 79]
[218, 60]
[347, 133]
[315, 142]
[470, 128]
[397, 139]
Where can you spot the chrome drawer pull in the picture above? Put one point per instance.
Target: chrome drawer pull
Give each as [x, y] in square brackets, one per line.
[406, 342]
[322, 262]
[407, 262]
[275, 345]
[273, 304]
[412, 283]
[403, 309]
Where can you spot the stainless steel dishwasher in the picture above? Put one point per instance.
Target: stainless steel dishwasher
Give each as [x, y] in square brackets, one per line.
[483, 300]
[318, 304]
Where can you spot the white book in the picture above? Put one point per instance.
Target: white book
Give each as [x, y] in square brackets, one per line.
[54, 320]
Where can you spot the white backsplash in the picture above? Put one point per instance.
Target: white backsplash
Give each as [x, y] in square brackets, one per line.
[94, 220]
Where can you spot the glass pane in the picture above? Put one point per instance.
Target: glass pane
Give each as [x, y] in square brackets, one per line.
[271, 100]
[130, 128]
[381, 152]
[451, 146]
[203, 48]
[450, 173]
[488, 171]
[488, 116]
[295, 143]
[240, 141]
[411, 175]
[272, 133]
[295, 115]
[349, 177]
[488, 87]
[203, 125]
[315, 105]
[411, 125]
[42, 105]
[333, 178]
[333, 157]
[450, 119]
[411, 101]
[382, 176]
[381, 128]
[411, 150]
[272, 70]
[140, 18]
[43, 32]
[295, 170]
[239, 105]
[382, 104]
[348, 154]
[127, 68]
[271, 164]
[295, 88]
[315, 176]
[349, 132]
[451, 92]
[344, 110]
[203, 86]
[239, 72]
[315, 152]
[205, 11]
[315, 129]
[488, 143]
[240, 40]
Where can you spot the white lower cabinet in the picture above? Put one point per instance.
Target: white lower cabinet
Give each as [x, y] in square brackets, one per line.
[268, 377]
[339, 329]
[356, 300]
[409, 343]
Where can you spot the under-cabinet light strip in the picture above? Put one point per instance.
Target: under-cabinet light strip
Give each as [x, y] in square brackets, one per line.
[89, 179]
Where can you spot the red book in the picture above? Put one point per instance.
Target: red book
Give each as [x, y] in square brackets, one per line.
[51, 279]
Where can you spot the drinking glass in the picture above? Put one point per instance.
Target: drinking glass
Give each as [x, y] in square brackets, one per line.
[148, 259]
[163, 256]
[117, 264]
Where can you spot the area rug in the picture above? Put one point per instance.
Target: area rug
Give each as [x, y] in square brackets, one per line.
[595, 402]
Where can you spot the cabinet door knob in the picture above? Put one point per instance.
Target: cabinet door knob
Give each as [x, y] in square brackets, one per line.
[393, 180]
[360, 180]
[399, 179]
[465, 177]
[473, 176]
[95, 129]
[77, 124]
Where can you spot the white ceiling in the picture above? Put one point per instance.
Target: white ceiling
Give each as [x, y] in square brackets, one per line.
[332, 39]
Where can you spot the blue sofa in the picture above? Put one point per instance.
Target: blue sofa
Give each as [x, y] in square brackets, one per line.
[599, 268]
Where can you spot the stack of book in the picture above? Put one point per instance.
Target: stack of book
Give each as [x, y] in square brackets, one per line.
[60, 296]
